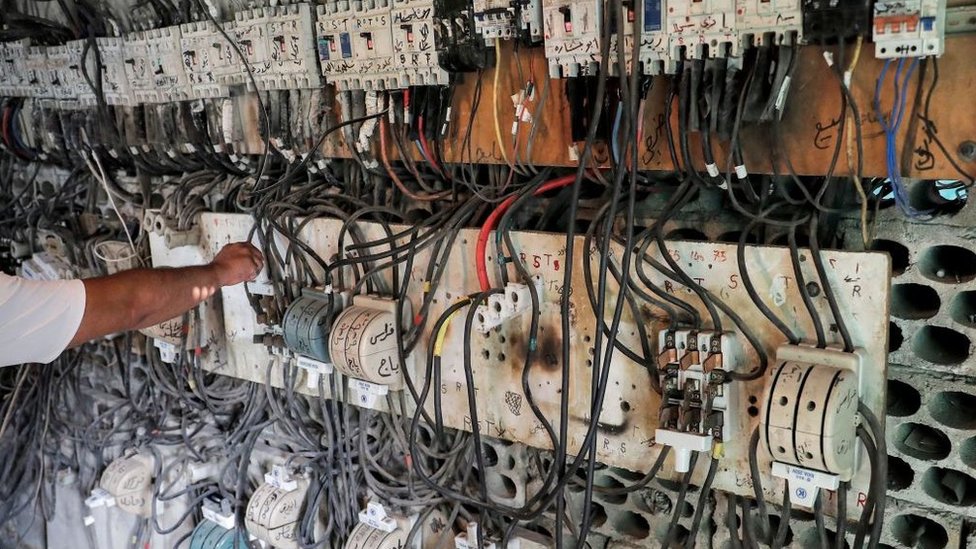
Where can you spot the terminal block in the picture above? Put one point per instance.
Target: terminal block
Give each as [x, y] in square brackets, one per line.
[697, 403]
[702, 28]
[572, 35]
[909, 28]
[768, 22]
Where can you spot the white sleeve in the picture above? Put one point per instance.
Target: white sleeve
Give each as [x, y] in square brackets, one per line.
[38, 319]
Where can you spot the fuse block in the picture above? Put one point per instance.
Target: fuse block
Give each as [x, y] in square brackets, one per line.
[702, 27]
[909, 28]
[697, 404]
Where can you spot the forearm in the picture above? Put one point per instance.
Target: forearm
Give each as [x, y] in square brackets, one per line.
[161, 294]
[139, 298]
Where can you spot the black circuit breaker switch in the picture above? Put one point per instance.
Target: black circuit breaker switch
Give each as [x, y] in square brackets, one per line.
[827, 21]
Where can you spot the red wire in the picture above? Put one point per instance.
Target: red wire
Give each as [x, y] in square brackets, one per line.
[492, 220]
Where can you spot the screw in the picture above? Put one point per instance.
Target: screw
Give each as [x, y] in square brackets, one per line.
[967, 151]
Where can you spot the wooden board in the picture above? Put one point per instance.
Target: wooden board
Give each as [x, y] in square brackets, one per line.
[631, 408]
[809, 127]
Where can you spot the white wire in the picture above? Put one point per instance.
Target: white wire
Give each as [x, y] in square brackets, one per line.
[103, 179]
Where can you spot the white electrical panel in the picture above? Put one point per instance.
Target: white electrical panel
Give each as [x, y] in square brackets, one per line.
[700, 27]
[909, 28]
[415, 45]
[334, 24]
[572, 35]
[759, 21]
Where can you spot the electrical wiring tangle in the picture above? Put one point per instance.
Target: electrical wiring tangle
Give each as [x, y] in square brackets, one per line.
[891, 124]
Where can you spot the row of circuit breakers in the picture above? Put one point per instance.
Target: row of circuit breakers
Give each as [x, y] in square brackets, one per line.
[385, 44]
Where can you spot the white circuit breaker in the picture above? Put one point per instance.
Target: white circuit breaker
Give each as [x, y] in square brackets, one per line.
[909, 28]
[494, 19]
[572, 35]
[201, 43]
[335, 24]
[373, 46]
[292, 51]
[415, 47]
[169, 81]
[655, 49]
[697, 27]
[38, 81]
[12, 71]
[115, 84]
[768, 22]
[697, 403]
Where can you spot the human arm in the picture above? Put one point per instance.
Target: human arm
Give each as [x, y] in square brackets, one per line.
[139, 298]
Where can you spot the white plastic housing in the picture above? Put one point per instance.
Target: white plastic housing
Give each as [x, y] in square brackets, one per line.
[683, 444]
[810, 410]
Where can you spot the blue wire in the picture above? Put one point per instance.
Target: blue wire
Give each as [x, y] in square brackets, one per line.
[892, 125]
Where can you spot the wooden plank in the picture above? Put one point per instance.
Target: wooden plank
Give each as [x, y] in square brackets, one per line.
[809, 127]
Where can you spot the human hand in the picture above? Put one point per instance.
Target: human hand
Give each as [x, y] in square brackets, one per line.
[236, 263]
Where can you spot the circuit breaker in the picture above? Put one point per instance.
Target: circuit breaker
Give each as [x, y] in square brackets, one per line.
[768, 22]
[200, 43]
[373, 46]
[572, 36]
[701, 28]
[655, 49]
[415, 48]
[335, 25]
[909, 28]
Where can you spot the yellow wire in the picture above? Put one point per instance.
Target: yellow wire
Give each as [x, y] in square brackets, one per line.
[855, 177]
[494, 100]
[441, 334]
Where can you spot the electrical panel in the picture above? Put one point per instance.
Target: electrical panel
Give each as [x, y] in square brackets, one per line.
[909, 28]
